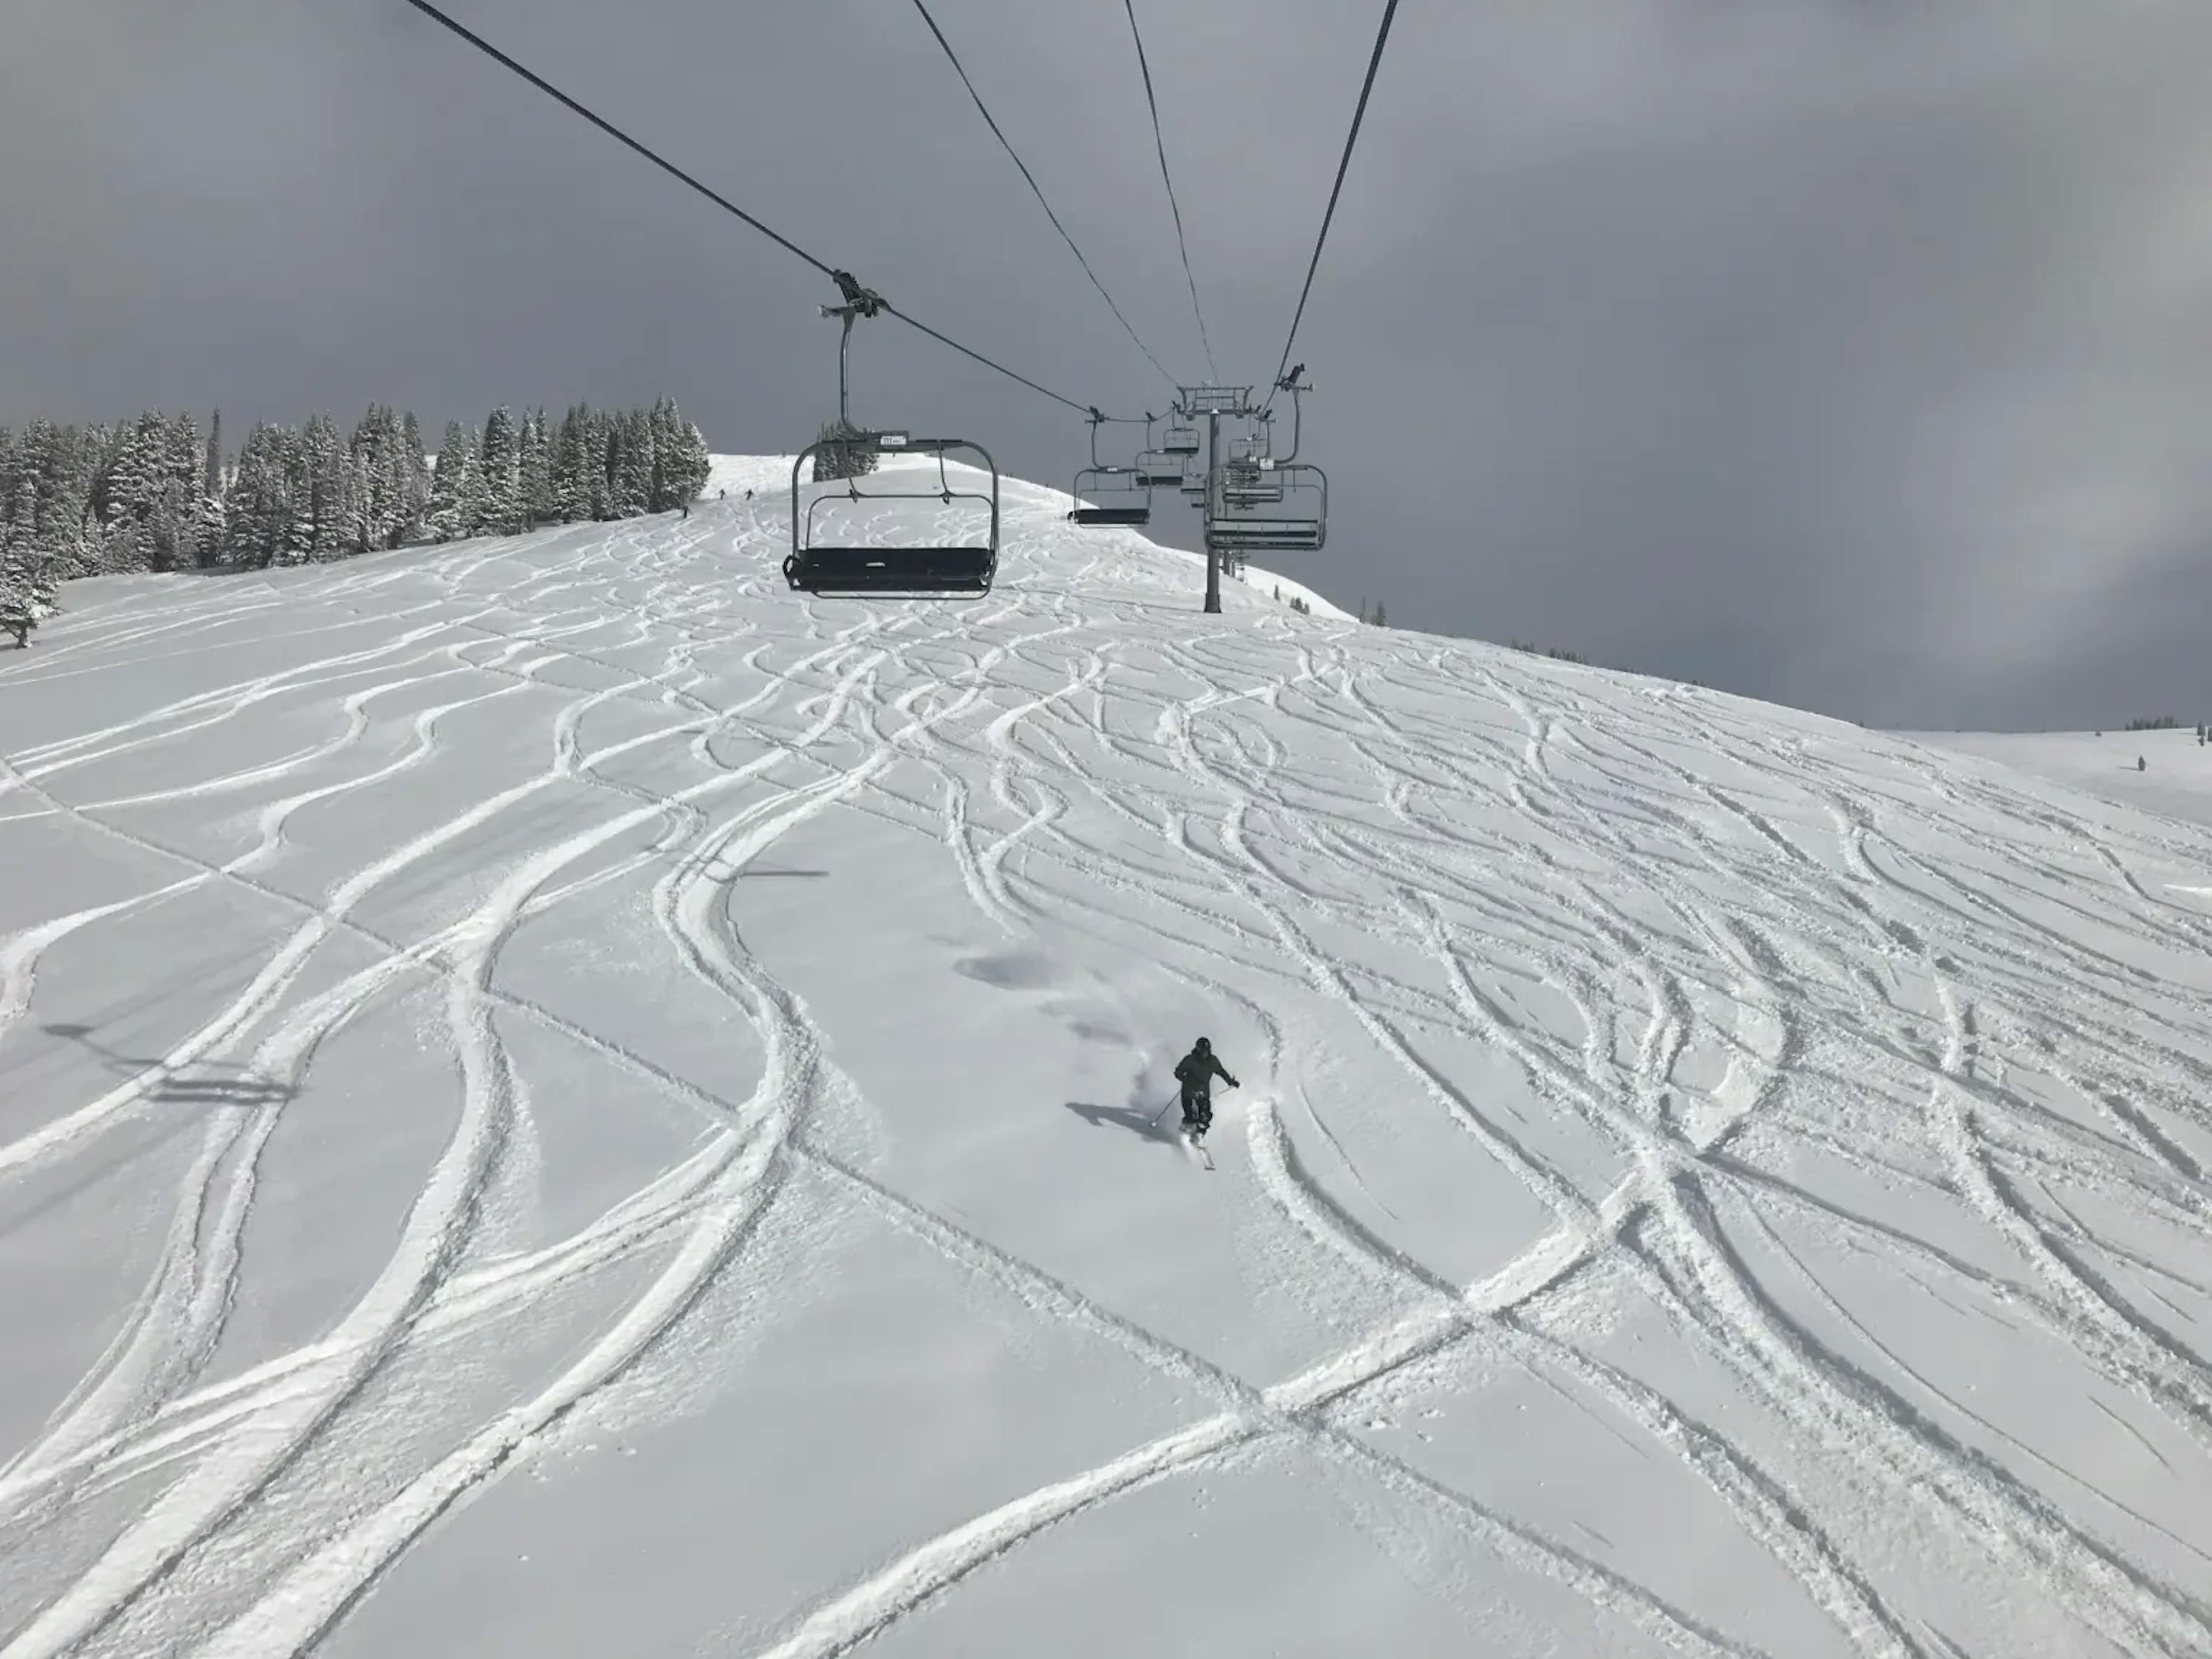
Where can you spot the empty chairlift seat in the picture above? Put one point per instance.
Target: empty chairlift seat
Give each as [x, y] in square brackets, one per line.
[828, 558]
[1160, 469]
[1107, 495]
[1248, 484]
[1287, 514]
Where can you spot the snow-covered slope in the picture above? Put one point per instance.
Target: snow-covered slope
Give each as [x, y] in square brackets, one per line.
[556, 1098]
[2175, 780]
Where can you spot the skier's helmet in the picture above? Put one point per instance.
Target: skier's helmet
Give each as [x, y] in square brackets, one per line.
[1204, 1046]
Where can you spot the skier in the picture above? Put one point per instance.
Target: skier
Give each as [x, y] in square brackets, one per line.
[1196, 1071]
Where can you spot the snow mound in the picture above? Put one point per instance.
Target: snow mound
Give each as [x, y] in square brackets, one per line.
[558, 1098]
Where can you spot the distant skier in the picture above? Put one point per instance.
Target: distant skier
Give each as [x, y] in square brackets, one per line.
[1196, 1071]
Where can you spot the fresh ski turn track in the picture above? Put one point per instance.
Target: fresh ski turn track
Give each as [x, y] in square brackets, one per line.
[556, 1097]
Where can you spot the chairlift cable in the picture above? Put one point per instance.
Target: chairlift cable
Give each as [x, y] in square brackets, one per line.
[1175, 207]
[1373, 62]
[719, 200]
[967, 351]
[953, 58]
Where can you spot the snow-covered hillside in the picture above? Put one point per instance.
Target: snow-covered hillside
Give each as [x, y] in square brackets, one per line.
[2175, 779]
[558, 1099]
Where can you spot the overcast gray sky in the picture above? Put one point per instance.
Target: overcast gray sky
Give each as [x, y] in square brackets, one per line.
[1854, 354]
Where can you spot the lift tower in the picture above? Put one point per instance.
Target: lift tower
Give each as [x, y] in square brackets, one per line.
[1214, 402]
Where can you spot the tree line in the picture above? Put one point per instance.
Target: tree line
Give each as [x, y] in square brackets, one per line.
[155, 494]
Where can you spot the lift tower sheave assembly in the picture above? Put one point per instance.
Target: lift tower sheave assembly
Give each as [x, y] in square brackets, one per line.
[1212, 402]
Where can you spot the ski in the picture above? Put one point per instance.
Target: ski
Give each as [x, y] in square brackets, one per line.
[1199, 1146]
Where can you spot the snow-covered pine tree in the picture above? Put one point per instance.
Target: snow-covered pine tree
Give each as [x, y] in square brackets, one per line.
[414, 471]
[539, 503]
[120, 465]
[452, 485]
[386, 457]
[65, 530]
[177, 514]
[572, 489]
[600, 461]
[699, 463]
[368, 458]
[629, 466]
[498, 509]
[113, 455]
[672, 485]
[614, 439]
[246, 503]
[20, 512]
[120, 485]
[645, 465]
[208, 511]
[8, 465]
[143, 494]
[680, 463]
[15, 617]
[364, 506]
[319, 483]
[659, 485]
[297, 542]
[27, 589]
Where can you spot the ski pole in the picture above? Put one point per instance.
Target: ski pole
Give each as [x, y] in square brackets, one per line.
[1161, 1113]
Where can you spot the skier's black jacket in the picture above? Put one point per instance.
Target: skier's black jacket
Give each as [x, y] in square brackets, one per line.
[1196, 1071]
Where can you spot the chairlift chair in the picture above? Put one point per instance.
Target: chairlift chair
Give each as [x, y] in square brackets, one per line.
[919, 570]
[1160, 469]
[1269, 502]
[1247, 483]
[1293, 520]
[1115, 495]
[1249, 478]
[825, 564]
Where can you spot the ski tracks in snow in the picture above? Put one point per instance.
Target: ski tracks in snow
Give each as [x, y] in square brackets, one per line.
[1707, 948]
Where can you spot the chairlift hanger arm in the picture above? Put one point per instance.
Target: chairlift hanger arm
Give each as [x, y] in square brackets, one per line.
[1291, 384]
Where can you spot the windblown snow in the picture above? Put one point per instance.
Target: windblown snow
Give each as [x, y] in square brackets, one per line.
[558, 1098]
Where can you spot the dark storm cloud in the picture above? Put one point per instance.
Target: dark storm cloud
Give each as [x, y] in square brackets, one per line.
[1850, 355]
